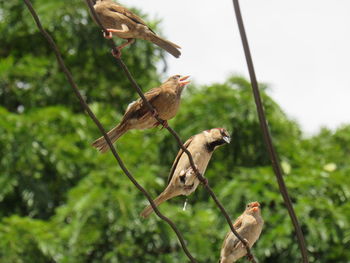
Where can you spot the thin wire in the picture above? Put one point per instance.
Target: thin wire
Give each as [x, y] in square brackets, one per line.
[267, 136]
[200, 177]
[102, 130]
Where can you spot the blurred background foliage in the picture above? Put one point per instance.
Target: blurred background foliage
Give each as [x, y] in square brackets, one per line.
[61, 201]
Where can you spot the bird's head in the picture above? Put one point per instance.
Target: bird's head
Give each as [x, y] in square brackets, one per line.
[216, 137]
[179, 81]
[253, 209]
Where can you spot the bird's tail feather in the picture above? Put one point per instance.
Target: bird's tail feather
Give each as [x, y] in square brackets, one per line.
[172, 48]
[102, 145]
[160, 199]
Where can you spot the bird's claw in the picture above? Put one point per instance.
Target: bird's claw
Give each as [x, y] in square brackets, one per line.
[165, 124]
[116, 52]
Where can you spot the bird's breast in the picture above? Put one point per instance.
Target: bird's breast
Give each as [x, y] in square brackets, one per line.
[167, 105]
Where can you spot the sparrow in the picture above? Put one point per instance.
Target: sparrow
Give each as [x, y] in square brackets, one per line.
[182, 178]
[165, 101]
[123, 23]
[249, 226]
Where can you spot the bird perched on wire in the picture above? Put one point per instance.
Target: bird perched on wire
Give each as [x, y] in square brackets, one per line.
[182, 179]
[249, 226]
[165, 101]
[123, 23]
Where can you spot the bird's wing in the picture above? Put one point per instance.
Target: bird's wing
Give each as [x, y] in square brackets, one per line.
[126, 12]
[153, 93]
[178, 156]
[137, 109]
[237, 225]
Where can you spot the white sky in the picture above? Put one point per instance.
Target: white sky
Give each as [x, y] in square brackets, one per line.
[301, 48]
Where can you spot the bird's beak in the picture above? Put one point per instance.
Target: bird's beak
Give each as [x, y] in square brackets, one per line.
[227, 139]
[255, 204]
[183, 82]
[255, 209]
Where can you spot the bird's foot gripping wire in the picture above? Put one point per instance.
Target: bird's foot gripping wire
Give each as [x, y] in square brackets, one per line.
[164, 123]
[117, 51]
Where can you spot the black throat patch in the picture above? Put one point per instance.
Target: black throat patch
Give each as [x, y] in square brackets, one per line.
[211, 146]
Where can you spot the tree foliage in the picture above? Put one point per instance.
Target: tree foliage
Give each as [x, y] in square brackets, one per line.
[61, 201]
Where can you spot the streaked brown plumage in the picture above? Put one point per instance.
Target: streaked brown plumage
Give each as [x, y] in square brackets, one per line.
[165, 100]
[123, 23]
[249, 225]
[182, 179]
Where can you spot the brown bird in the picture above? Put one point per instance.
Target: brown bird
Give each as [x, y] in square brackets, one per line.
[123, 23]
[165, 100]
[249, 226]
[182, 179]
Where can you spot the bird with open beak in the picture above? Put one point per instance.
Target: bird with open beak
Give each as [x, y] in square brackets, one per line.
[249, 226]
[182, 178]
[123, 23]
[165, 101]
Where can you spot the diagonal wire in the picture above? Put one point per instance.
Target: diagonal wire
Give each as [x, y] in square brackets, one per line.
[267, 136]
[102, 130]
[203, 180]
